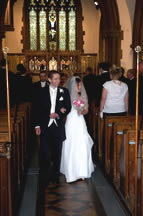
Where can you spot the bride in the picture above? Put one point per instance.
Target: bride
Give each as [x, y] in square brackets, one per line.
[76, 160]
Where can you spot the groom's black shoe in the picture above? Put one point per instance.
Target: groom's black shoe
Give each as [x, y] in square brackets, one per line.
[55, 179]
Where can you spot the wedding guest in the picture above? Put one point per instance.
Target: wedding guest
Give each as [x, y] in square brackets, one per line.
[64, 78]
[42, 83]
[114, 101]
[141, 68]
[103, 76]
[131, 75]
[23, 85]
[123, 78]
[89, 82]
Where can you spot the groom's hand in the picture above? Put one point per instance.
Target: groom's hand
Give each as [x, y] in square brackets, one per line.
[38, 131]
[54, 115]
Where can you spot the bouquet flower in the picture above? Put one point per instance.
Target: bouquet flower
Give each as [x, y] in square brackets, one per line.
[79, 104]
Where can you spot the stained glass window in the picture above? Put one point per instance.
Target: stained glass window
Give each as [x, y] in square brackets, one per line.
[33, 29]
[62, 30]
[52, 29]
[72, 30]
[52, 24]
[43, 27]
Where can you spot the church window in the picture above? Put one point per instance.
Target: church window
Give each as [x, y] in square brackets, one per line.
[52, 25]
[33, 29]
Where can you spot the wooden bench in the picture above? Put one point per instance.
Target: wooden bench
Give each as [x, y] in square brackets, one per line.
[12, 159]
[128, 161]
[118, 133]
[109, 134]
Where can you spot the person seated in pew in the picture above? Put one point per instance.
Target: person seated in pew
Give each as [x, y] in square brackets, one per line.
[114, 100]
[3, 87]
[23, 85]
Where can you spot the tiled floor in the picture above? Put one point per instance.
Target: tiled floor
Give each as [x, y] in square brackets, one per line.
[92, 197]
[69, 199]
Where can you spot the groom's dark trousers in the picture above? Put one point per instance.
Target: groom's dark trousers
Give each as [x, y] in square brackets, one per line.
[50, 152]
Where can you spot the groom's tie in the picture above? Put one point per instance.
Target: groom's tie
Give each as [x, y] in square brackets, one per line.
[53, 96]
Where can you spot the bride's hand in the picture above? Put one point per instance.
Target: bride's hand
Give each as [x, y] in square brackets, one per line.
[85, 111]
[79, 112]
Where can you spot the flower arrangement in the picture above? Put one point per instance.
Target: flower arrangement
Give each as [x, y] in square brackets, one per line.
[79, 104]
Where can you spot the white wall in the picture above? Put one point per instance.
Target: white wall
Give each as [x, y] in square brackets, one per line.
[131, 8]
[126, 13]
[13, 38]
[91, 24]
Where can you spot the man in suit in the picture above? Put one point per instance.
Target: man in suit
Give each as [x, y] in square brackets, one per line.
[131, 75]
[23, 85]
[103, 76]
[123, 78]
[42, 83]
[89, 82]
[53, 104]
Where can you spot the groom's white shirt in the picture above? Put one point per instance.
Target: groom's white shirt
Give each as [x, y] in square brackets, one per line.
[53, 96]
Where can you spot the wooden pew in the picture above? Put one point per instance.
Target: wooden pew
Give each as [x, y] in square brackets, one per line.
[13, 162]
[109, 134]
[118, 133]
[128, 160]
[8, 201]
[18, 145]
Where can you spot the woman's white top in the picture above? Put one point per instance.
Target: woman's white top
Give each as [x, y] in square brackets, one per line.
[115, 100]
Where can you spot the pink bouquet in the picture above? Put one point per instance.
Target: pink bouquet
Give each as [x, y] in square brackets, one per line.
[79, 104]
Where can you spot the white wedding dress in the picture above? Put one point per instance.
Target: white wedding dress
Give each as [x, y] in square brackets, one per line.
[76, 160]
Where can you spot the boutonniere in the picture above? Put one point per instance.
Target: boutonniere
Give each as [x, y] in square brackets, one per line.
[61, 99]
[61, 90]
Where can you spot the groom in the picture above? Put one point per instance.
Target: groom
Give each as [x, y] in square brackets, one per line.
[52, 106]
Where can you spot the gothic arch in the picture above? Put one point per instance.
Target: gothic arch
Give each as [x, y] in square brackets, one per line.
[110, 32]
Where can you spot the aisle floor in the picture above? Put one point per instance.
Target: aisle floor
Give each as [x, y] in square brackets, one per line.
[69, 199]
[91, 197]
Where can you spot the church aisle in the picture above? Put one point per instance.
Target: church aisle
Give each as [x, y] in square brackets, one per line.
[91, 197]
[71, 199]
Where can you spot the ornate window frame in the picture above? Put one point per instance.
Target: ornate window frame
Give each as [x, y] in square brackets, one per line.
[26, 32]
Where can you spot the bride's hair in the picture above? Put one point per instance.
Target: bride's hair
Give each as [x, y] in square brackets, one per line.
[78, 80]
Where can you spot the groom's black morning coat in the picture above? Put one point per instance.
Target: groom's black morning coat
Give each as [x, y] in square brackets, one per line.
[43, 107]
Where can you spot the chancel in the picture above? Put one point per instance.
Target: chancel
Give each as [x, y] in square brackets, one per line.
[71, 107]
